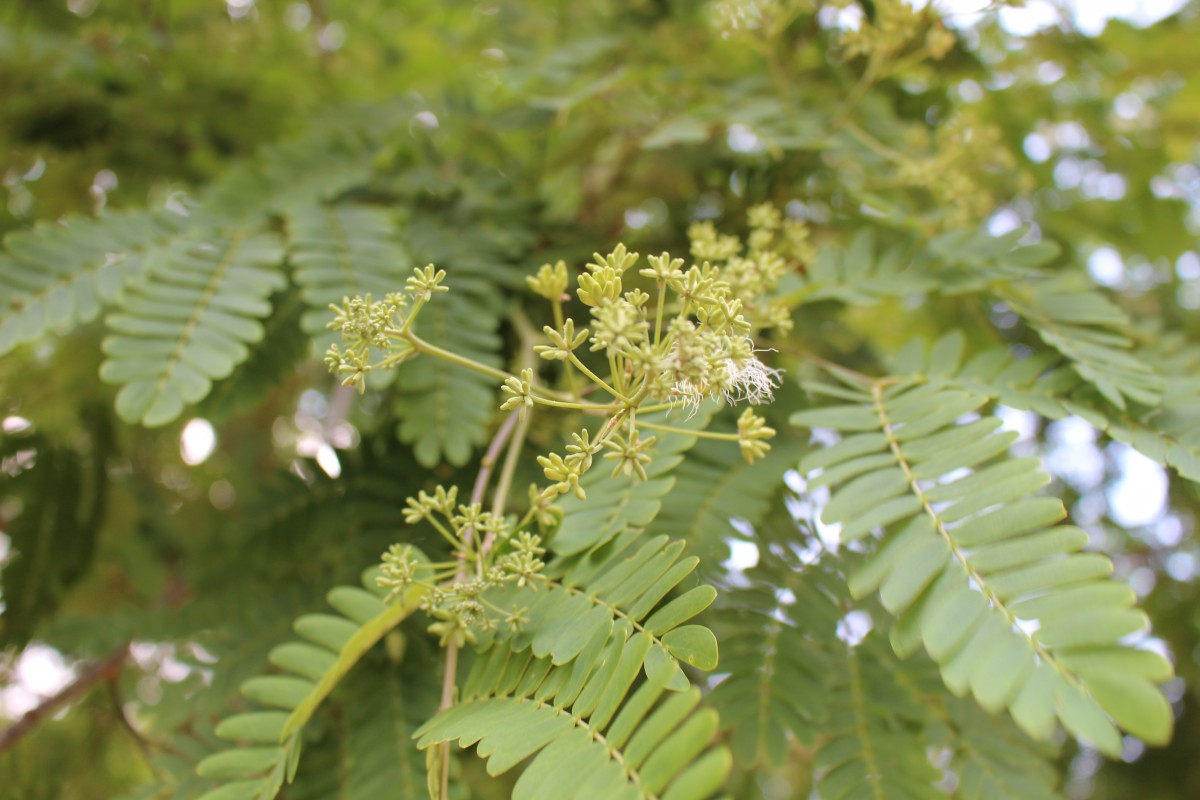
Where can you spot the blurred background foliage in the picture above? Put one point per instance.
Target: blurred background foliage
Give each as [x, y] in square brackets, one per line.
[540, 130]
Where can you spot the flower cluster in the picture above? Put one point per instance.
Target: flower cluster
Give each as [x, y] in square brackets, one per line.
[897, 25]
[367, 325]
[962, 150]
[671, 337]
[488, 554]
[695, 342]
[766, 17]
[660, 335]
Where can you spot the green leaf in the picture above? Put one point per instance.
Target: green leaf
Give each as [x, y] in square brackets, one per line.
[240, 790]
[694, 644]
[509, 730]
[1137, 705]
[258, 726]
[61, 274]
[238, 763]
[844, 418]
[680, 610]
[967, 550]
[218, 292]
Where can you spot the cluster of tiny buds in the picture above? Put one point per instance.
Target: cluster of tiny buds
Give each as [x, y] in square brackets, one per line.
[962, 150]
[669, 335]
[684, 338]
[369, 326]
[896, 25]
[455, 597]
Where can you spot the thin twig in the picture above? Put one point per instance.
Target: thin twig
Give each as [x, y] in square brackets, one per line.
[447, 701]
[477, 493]
[488, 464]
[106, 669]
[504, 483]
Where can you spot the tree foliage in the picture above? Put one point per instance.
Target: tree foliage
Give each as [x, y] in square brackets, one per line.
[886, 235]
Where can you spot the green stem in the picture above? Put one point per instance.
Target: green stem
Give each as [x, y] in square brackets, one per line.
[486, 465]
[657, 407]
[422, 346]
[597, 380]
[610, 426]
[352, 651]
[504, 482]
[617, 371]
[576, 406]
[445, 533]
[568, 371]
[658, 313]
[418, 304]
[723, 437]
[874, 145]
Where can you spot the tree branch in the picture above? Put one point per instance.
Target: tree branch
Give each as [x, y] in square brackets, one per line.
[106, 669]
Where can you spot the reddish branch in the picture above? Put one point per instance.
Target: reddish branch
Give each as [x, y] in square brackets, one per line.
[106, 669]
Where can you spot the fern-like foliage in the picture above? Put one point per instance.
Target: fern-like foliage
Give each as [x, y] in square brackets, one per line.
[588, 729]
[720, 489]
[175, 767]
[893, 732]
[857, 273]
[560, 686]
[1043, 383]
[1083, 325]
[1170, 432]
[274, 360]
[581, 613]
[54, 536]
[617, 505]
[378, 717]
[579, 629]
[993, 760]
[976, 568]
[335, 154]
[58, 275]
[779, 647]
[189, 323]
[339, 251]
[873, 747]
[1092, 332]
[268, 741]
[863, 272]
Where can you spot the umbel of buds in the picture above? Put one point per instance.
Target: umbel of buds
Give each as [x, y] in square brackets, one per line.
[656, 337]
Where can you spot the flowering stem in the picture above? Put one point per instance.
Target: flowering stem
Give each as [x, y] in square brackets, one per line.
[422, 346]
[504, 483]
[568, 372]
[576, 406]
[447, 701]
[445, 534]
[412, 315]
[500, 497]
[616, 374]
[610, 426]
[657, 407]
[597, 380]
[477, 491]
[488, 462]
[724, 437]
[658, 313]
